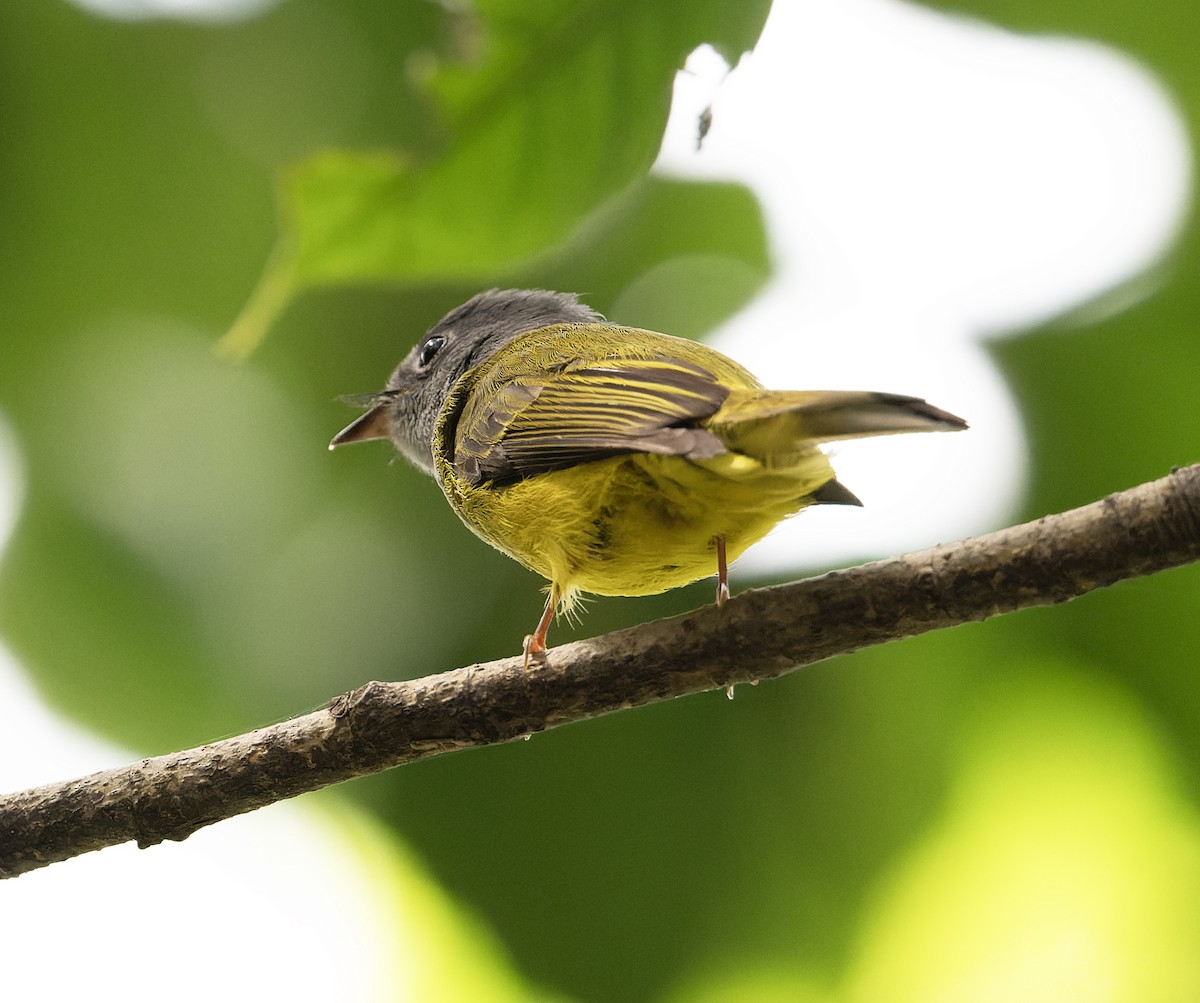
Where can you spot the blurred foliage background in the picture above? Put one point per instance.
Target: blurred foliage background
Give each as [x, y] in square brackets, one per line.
[1002, 811]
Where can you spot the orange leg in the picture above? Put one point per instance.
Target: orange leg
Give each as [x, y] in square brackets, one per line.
[722, 572]
[535, 643]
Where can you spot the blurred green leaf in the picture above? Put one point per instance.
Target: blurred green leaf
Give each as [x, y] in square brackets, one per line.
[1092, 885]
[680, 255]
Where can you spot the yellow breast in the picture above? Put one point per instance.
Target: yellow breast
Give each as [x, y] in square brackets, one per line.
[640, 524]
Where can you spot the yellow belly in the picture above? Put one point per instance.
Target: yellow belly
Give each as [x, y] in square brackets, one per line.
[639, 524]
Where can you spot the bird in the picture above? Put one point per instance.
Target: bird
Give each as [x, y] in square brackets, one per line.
[612, 460]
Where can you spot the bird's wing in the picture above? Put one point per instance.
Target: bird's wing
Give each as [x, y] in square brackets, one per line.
[531, 425]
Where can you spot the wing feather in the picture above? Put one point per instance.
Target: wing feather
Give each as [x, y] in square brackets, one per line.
[532, 425]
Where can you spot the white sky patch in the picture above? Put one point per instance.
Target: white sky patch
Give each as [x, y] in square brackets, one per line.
[187, 10]
[12, 482]
[928, 181]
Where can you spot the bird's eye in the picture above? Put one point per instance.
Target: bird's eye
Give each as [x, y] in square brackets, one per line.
[428, 350]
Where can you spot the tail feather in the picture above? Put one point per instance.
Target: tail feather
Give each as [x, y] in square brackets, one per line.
[834, 492]
[772, 422]
[847, 415]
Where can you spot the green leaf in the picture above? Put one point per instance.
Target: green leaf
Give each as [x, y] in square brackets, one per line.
[564, 107]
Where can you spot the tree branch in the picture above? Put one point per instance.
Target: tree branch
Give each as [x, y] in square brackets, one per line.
[761, 634]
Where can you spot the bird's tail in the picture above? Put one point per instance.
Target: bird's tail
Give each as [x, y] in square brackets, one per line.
[776, 423]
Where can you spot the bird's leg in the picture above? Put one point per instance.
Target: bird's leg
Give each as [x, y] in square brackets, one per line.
[722, 572]
[722, 586]
[535, 643]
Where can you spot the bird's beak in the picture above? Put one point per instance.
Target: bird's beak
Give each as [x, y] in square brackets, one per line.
[372, 425]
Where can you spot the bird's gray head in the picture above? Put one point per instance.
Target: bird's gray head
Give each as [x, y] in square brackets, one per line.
[407, 410]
